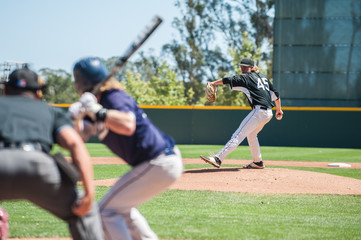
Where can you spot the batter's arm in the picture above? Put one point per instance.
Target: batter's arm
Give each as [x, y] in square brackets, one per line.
[69, 139]
[120, 122]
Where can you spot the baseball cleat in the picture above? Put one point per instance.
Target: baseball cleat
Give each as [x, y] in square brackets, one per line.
[215, 161]
[254, 165]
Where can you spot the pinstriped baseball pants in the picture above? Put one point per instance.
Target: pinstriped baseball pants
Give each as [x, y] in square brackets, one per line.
[251, 125]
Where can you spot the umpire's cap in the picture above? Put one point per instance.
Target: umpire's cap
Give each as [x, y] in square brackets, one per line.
[24, 78]
[88, 72]
[248, 62]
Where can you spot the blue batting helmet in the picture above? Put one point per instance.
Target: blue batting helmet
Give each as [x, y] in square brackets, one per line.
[88, 72]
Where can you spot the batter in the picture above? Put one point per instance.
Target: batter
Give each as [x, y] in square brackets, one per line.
[261, 94]
[127, 131]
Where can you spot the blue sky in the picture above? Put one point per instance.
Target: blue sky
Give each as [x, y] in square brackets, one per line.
[56, 33]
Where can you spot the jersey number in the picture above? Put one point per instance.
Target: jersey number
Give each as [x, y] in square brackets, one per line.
[262, 83]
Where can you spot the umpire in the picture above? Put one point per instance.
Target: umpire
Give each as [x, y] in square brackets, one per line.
[28, 129]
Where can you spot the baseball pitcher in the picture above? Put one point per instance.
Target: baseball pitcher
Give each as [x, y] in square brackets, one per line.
[262, 96]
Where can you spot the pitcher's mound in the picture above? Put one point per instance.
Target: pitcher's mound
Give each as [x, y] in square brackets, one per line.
[266, 181]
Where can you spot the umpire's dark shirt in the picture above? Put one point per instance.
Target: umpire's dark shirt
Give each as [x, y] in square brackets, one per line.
[23, 119]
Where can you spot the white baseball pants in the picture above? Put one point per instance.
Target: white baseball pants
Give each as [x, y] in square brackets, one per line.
[251, 125]
[121, 219]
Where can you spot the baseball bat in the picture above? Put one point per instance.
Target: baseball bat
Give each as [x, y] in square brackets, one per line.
[134, 46]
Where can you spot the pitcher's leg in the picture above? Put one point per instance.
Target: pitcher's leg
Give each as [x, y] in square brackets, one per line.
[231, 145]
[254, 147]
[265, 117]
[247, 125]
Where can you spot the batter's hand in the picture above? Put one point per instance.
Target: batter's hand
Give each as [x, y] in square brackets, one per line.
[90, 104]
[83, 206]
[76, 111]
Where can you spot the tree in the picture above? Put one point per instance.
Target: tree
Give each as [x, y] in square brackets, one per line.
[210, 45]
[163, 89]
[231, 98]
[138, 88]
[189, 53]
[146, 64]
[261, 20]
[60, 87]
[168, 90]
[211, 37]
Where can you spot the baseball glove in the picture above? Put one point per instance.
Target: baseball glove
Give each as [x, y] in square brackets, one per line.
[4, 225]
[210, 93]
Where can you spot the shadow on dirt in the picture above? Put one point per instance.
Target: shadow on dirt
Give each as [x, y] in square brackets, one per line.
[209, 170]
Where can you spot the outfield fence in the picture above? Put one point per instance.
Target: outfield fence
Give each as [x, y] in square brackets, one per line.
[300, 126]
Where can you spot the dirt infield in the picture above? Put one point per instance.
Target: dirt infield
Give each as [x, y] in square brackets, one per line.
[265, 181]
[114, 160]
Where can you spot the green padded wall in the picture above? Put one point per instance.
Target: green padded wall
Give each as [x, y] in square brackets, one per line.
[317, 52]
[328, 127]
[301, 128]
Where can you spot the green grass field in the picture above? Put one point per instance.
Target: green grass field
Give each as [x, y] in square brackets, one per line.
[242, 152]
[209, 215]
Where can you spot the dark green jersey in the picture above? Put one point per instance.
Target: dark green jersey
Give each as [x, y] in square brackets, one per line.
[258, 89]
[23, 119]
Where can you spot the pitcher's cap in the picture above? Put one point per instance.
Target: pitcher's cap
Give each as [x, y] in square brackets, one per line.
[247, 62]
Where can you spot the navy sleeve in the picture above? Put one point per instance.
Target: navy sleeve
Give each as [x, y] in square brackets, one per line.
[118, 100]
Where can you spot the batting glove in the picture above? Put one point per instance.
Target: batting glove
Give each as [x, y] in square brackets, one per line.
[76, 111]
[93, 109]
